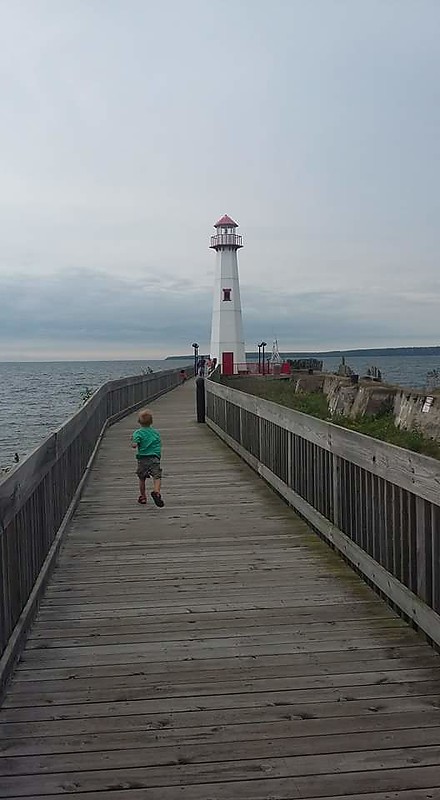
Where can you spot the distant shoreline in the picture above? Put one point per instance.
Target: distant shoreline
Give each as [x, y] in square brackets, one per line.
[373, 351]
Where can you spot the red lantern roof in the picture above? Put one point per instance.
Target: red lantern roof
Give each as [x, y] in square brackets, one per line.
[226, 222]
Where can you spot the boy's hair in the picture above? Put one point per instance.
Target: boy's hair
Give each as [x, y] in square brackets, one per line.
[145, 418]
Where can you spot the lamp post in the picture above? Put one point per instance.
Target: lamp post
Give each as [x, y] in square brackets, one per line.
[196, 355]
[261, 347]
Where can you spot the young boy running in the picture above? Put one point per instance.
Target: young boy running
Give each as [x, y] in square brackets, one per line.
[148, 443]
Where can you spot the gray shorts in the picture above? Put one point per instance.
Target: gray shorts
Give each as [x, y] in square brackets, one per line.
[149, 467]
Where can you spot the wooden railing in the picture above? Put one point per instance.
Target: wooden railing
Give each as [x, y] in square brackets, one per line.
[38, 495]
[378, 504]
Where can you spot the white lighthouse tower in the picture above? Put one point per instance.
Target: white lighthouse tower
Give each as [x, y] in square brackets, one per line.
[227, 340]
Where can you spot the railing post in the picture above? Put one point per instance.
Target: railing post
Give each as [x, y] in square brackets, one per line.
[421, 578]
[260, 436]
[335, 488]
[200, 399]
[289, 475]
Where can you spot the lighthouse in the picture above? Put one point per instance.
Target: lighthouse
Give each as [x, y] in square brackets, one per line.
[227, 340]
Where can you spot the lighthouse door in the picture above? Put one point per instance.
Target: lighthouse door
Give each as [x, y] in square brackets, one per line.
[227, 363]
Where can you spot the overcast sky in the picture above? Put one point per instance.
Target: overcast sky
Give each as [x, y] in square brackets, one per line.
[127, 127]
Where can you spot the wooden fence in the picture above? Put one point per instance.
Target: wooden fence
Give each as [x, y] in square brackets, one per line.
[40, 493]
[377, 504]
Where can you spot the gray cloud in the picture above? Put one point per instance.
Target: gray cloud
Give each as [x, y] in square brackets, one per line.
[81, 309]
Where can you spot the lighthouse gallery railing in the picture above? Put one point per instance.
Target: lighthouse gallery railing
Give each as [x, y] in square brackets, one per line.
[38, 495]
[378, 504]
[227, 240]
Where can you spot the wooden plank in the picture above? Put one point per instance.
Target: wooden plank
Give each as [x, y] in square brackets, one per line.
[255, 634]
[198, 652]
[250, 699]
[331, 614]
[61, 726]
[74, 692]
[133, 610]
[153, 755]
[315, 615]
[166, 630]
[399, 759]
[281, 789]
[336, 661]
[323, 729]
[176, 680]
[197, 587]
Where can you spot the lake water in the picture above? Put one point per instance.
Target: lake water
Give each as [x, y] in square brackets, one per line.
[35, 398]
[400, 370]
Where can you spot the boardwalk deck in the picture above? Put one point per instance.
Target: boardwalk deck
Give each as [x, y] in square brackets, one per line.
[213, 650]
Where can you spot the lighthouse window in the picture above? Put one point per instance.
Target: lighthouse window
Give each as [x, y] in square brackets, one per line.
[227, 294]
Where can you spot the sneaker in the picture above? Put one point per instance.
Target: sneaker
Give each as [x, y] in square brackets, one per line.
[157, 499]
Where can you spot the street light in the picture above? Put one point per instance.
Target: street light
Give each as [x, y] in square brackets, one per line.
[261, 347]
[196, 355]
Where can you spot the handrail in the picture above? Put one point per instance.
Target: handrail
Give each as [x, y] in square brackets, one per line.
[37, 494]
[378, 504]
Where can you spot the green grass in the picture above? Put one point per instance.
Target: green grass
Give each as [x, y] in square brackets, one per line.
[314, 403]
[381, 426]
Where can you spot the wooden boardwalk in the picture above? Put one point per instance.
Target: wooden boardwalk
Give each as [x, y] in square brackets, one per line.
[212, 650]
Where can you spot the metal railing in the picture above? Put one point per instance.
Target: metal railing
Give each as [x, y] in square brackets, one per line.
[226, 240]
[37, 495]
[378, 504]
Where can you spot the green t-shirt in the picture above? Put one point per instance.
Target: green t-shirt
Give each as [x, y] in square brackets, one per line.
[148, 442]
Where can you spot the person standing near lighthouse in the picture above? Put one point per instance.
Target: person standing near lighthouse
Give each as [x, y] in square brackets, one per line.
[227, 339]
